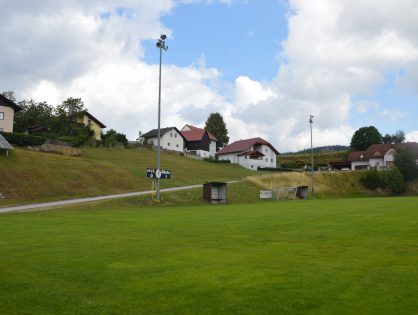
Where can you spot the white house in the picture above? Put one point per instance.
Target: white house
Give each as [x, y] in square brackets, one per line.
[7, 111]
[199, 142]
[380, 155]
[250, 153]
[170, 139]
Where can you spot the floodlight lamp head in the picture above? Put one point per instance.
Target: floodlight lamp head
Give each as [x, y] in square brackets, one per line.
[159, 44]
[163, 36]
[311, 119]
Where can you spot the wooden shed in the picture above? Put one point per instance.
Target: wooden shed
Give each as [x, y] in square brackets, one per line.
[215, 192]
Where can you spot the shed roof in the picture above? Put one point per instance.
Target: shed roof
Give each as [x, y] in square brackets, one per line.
[4, 144]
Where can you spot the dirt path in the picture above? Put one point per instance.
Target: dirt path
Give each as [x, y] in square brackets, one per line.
[91, 199]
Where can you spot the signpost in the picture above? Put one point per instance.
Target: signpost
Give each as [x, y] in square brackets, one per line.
[154, 173]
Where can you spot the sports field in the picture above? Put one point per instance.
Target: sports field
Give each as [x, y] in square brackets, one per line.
[349, 256]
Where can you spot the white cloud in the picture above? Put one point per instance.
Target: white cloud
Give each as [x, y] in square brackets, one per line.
[412, 136]
[392, 115]
[364, 106]
[93, 49]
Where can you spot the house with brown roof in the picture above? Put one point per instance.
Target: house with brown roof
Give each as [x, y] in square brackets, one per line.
[250, 153]
[7, 111]
[380, 155]
[199, 142]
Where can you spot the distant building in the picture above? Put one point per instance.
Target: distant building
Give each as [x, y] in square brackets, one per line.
[250, 153]
[380, 155]
[199, 142]
[170, 138]
[7, 111]
[89, 120]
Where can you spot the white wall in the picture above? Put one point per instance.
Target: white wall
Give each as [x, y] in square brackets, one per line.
[171, 140]
[269, 160]
[359, 163]
[212, 148]
[7, 122]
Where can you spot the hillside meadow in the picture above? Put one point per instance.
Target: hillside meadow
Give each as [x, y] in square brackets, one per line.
[348, 256]
[29, 176]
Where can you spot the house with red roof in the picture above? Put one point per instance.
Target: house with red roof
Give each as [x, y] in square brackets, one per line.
[380, 155]
[250, 153]
[198, 141]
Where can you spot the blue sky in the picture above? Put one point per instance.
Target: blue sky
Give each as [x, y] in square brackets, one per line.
[265, 65]
[238, 39]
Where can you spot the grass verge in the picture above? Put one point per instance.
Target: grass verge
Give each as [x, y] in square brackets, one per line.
[350, 256]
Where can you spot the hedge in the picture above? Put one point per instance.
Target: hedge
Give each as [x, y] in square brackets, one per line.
[23, 139]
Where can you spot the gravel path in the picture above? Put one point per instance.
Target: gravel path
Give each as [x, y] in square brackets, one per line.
[87, 199]
[90, 199]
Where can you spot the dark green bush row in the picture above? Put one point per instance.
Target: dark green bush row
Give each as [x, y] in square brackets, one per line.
[391, 179]
[23, 139]
[211, 160]
[278, 169]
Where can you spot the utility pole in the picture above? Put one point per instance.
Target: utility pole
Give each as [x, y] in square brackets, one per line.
[312, 159]
[161, 45]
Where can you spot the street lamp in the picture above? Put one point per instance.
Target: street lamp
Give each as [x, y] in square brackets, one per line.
[162, 46]
[312, 161]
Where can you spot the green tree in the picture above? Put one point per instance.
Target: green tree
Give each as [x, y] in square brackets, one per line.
[71, 107]
[397, 137]
[406, 163]
[394, 181]
[365, 137]
[215, 125]
[112, 137]
[32, 114]
[10, 95]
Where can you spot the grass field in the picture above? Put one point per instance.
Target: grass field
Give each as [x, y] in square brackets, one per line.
[349, 256]
[30, 176]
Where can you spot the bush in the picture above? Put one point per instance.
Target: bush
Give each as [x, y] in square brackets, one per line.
[212, 160]
[371, 179]
[75, 141]
[276, 169]
[23, 139]
[394, 181]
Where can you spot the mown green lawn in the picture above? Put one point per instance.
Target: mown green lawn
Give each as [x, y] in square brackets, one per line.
[349, 256]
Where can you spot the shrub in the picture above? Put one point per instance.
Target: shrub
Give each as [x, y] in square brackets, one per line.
[22, 139]
[394, 181]
[75, 141]
[406, 163]
[212, 160]
[371, 179]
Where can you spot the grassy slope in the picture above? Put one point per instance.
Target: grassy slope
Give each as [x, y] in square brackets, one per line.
[35, 176]
[327, 185]
[320, 158]
[351, 256]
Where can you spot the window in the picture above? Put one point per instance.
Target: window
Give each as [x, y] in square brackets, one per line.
[171, 135]
[1, 116]
[89, 122]
[267, 159]
[168, 144]
[271, 160]
[177, 145]
[267, 150]
[175, 135]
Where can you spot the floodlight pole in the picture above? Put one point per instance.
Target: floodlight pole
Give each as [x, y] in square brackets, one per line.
[161, 45]
[312, 159]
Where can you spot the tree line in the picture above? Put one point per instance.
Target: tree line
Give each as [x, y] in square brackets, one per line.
[58, 122]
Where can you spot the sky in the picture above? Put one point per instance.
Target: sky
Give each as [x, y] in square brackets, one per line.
[265, 65]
